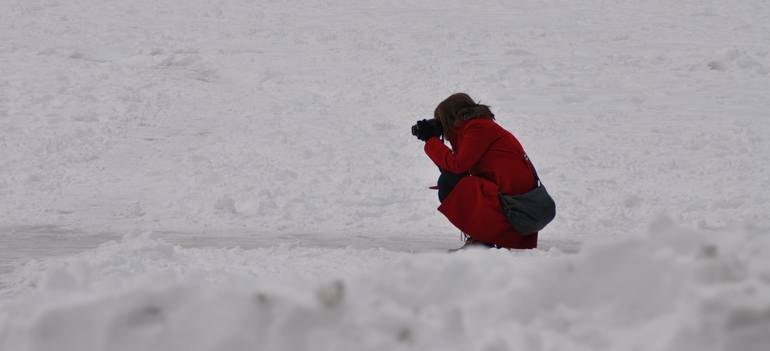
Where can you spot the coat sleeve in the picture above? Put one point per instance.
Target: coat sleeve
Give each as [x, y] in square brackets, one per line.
[474, 144]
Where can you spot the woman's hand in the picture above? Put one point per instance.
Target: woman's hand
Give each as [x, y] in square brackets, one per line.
[426, 130]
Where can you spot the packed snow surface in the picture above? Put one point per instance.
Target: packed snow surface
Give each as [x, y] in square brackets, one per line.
[238, 175]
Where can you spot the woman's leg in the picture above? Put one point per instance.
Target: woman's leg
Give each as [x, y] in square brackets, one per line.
[446, 182]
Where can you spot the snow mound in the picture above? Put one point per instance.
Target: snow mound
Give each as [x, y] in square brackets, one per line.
[672, 289]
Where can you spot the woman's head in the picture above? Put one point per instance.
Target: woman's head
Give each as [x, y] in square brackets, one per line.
[457, 108]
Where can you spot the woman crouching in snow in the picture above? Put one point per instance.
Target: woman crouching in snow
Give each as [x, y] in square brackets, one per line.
[484, 161]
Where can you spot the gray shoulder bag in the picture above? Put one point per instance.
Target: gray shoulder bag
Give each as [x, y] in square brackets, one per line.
[530, 212]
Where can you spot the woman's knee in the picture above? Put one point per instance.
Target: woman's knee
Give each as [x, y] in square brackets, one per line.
[449, 179]
[446, 182]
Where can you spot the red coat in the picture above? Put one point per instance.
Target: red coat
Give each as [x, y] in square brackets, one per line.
[496, 162]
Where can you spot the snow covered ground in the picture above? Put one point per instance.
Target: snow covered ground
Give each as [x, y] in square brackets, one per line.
[232, 175]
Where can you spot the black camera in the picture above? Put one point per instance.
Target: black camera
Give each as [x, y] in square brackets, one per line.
[429, 124]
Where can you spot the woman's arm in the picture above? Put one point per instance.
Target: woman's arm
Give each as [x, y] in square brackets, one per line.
[474, 144]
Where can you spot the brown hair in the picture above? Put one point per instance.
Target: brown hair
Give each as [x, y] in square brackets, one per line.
[457, 108]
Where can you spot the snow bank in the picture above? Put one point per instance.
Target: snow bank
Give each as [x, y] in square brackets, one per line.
[669, 290]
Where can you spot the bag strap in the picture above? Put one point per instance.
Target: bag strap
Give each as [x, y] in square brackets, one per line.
[534, 171]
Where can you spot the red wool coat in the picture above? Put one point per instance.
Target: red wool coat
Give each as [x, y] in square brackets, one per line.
[496, 162]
